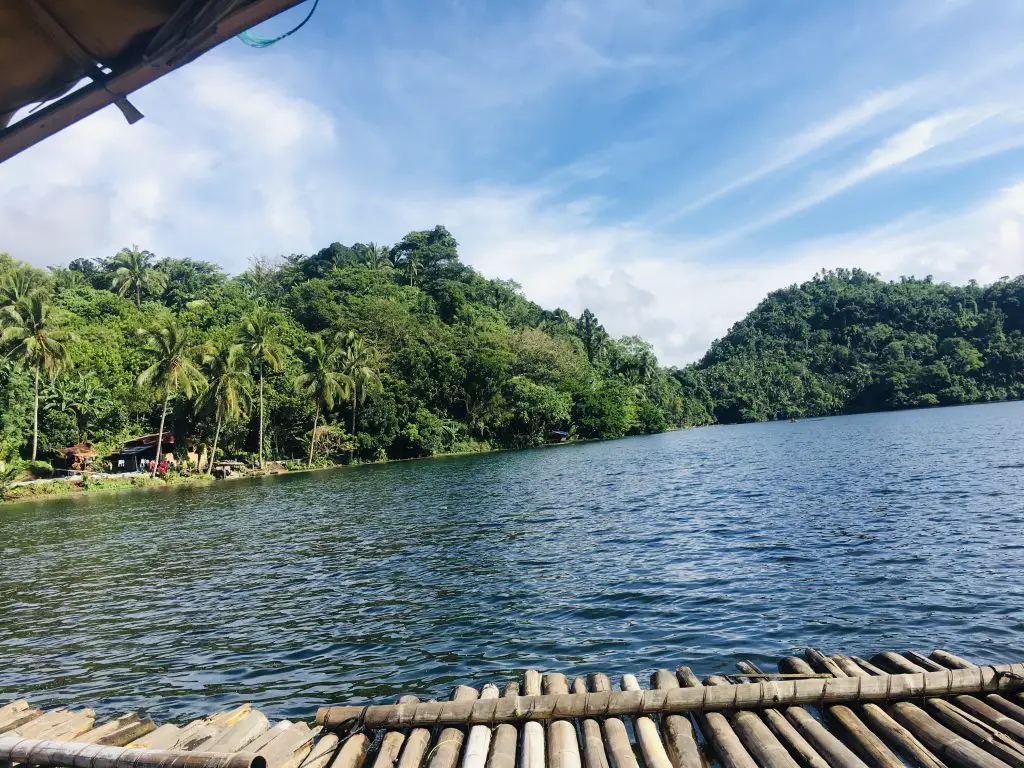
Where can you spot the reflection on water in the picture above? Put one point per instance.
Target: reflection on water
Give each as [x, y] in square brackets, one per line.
[707, 546]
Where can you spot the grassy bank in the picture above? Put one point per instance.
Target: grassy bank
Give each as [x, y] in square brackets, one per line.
[57, 488]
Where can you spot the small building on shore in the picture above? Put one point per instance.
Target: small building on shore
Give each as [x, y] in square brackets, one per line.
[78, 457]
[138, 450]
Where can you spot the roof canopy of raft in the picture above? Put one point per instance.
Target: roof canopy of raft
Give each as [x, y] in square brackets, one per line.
[107, 48]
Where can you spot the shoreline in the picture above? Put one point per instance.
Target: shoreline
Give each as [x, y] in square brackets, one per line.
[58, 488]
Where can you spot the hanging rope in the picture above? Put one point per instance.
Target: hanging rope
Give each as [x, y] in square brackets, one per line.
[266, 42]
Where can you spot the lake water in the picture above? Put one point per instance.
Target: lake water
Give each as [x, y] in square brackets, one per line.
[855, 534]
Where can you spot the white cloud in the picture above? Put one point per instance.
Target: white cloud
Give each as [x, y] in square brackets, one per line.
[239, 157]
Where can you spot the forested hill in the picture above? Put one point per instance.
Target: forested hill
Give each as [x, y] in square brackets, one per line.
[848, 342]
[393, 352]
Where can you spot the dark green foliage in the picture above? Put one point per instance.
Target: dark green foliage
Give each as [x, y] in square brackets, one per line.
[848, 342]
[438, 359]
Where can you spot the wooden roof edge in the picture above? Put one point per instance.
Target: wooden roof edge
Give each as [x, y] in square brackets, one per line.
[95, 96]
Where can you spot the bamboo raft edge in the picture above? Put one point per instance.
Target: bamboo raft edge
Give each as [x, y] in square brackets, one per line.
[938, 711]
[1002, 678]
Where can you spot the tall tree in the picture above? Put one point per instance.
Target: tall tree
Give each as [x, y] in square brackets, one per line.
[19, 284]
[359, 365]
[592, 334]
[230, 389]
[31, 325]
[259, 340]
[133, 270]
[377, 256]
[323, 381]
[173, 369]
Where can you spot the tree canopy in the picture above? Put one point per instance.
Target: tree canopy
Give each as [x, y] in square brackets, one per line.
[849, 342]
[433, 356]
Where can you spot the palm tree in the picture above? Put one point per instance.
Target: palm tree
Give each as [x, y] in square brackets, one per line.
[19, 284]
[134, 271]
[230, 389]
[323, 381]
[173, 369]
[358, 366]
[377, 257]
[31, 325]
[412, 264]
[259, 341]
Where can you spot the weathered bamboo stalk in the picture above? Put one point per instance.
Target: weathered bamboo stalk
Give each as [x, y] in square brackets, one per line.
[680, 738]
[416, 743]
[479, 741]
[958, 719]
[939, 739]
[63, 754]
[828, 746]
[620, 751]
[868, 745]
[950, 661]
[716, 729]
[532, 753]
[757, 737]
[449, 742]
[785, 730]
[593, 744]
[391, 745]
[504, 738]
[563, 746]
[990, 739]
[646, 732]
[901, 739]
[775, 693]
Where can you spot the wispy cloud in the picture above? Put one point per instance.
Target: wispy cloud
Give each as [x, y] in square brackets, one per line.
[657, 163]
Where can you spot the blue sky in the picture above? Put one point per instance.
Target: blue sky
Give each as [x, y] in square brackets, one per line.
[664, 163]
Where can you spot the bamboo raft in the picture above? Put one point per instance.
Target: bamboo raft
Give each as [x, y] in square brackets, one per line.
[898, 709]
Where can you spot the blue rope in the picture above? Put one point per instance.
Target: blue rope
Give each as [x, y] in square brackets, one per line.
[266, 42]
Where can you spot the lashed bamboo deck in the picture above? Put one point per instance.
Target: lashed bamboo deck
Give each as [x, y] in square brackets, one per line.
[960, 730]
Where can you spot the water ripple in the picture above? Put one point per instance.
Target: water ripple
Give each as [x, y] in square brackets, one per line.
[706, 546]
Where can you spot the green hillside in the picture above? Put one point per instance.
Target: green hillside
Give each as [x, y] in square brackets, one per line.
[848, 342]
[393, 352]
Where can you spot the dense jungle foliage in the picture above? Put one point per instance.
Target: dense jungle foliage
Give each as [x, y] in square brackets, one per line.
[848, 342]
[392, 352]
[365, 353]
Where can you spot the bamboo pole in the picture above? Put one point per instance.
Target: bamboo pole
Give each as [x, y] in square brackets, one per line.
[680, 738]
[446, 751]
[827, 745]
[416, 743]
[532, 752]
[958, 719]
[65, 754]
[870, 747]
[757, 737]
[989, 739]
[391, 744]
[646, 732]
[785, 730]
[948, 660]
[901, 739]
[593, 744]
[563, 746]
[505, 738]
[620, 751]
[716, 729]
[352, 753]
[777, 693]
[479, 741]
[943, 742]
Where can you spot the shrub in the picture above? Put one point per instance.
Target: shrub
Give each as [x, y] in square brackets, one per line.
[40, 470]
